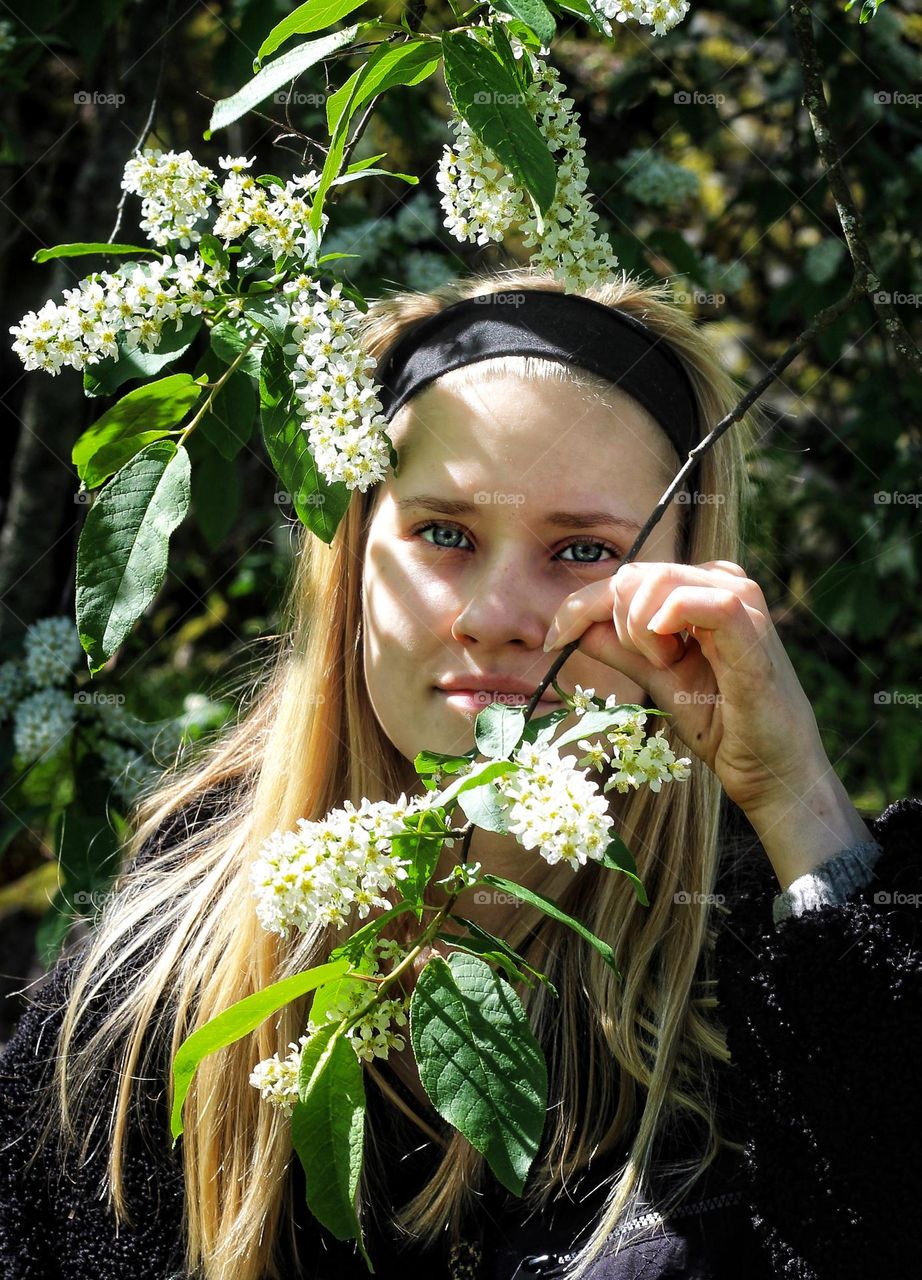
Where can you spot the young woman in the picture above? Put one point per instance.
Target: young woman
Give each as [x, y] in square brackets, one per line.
[742, 1103]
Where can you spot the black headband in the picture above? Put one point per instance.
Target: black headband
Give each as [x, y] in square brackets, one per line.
[559, 326]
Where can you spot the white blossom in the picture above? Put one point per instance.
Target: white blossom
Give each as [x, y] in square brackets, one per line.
[136, 302]
[661, 15]
[173, 188]
[335, 393]
[482, 202]
[52, 650]
[41, 722]
[323, 871]
[373, 1036]
[654, 180]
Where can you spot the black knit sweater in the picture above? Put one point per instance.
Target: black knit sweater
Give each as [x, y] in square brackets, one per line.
[824, 1024]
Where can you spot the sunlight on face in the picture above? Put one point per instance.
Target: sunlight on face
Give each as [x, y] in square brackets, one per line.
[467, 595]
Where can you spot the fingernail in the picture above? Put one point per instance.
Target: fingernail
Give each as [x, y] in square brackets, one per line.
[654, 621]
[551, 638]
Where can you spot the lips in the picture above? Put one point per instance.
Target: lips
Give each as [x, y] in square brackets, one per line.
[483, 697]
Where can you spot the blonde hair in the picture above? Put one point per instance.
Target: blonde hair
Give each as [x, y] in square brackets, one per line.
[625, 1059]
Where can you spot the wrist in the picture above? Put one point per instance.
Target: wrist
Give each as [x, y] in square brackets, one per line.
[803, 825]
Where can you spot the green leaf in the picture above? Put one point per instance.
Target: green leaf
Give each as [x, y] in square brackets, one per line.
[474, 946]
[212, 250]
[481, 775]
[498, 944]
[435, 762]
[533, 13]
[583, 9]
[423, 849]
[498, 729]
[388, 65]
[485, 808]
[124, 546]
[319, 505]
[229, 422]
[313, 16]
[328, 1130]
[480, 1063]
[592, 723]
[490, 100]
[216, 491]
[227, 342]
[370, 173]
[80, 250]
[143, 415]
[237, 1021]
[271, 314]
[107, 375]
[551, 909]
[618, 857]
[540, 729]
[284, 68]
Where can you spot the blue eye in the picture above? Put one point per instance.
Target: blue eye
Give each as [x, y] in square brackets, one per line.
[597, 543]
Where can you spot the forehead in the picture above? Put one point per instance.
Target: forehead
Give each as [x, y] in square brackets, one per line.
[550, 431]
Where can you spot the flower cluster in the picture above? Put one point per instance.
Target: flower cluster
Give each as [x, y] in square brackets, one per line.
[136, 302]
[52, 650]
[661, 15]
[372, 1036]
[554, 807]
[336, 394]
[322, 871]
[482, 202]
[633, 760]
[42, 721]
[43, 714]
[174, 194]
[276, 216]
[654, 180]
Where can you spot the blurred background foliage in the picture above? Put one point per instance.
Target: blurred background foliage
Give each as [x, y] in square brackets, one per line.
[705, 174]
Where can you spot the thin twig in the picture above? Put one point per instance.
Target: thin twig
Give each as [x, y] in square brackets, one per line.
[814, 100]
[142, 136]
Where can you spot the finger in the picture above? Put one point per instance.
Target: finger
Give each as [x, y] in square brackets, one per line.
[729, 631]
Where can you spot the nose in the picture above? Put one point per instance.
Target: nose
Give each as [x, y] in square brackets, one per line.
[504, 606]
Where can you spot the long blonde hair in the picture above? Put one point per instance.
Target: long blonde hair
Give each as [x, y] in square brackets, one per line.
[625, 1059]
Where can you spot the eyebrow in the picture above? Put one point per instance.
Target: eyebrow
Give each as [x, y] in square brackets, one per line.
[582, 519]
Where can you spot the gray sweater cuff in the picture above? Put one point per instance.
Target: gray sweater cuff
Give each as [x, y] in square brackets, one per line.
[829, 883]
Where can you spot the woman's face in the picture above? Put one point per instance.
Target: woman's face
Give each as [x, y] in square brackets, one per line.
[496, 516]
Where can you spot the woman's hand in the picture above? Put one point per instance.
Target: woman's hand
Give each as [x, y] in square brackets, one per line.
[729, 687]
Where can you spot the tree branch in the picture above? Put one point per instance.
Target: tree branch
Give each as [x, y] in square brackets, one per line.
[814, 100]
